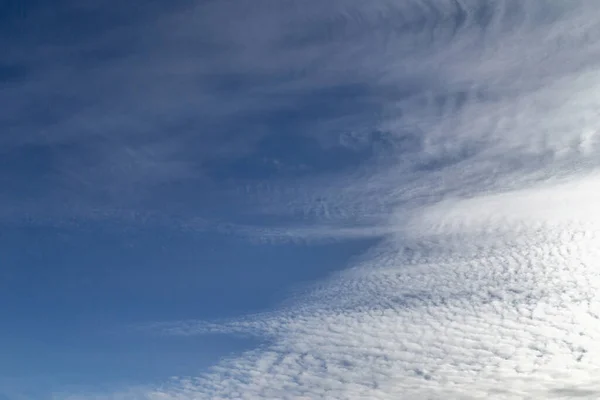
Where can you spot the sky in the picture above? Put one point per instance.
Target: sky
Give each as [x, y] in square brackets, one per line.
[285, 199]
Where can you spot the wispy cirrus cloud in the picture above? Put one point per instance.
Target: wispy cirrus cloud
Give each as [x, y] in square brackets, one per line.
[137, 111]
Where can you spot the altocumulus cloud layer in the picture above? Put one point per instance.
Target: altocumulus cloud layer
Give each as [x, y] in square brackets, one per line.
[480, 119]
[494, 303]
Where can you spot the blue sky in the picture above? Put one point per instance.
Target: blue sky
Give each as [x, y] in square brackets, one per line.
[123, 188]
[299, 199]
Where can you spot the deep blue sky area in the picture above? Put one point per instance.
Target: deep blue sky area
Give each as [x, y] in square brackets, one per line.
[149, 173]
[71, 294]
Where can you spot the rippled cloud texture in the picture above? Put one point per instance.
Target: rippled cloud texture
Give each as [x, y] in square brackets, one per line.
[466, 137]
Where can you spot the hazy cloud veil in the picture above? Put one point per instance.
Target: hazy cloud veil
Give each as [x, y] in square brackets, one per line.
[466, 137]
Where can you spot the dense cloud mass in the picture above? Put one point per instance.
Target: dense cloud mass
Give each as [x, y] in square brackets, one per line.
[497, 306]
[463, 133]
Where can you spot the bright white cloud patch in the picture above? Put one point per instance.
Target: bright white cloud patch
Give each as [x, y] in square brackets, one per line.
[468, 311]
[487, 282]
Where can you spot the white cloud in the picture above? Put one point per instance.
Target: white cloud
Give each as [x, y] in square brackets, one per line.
[493, 108]
[510, 312]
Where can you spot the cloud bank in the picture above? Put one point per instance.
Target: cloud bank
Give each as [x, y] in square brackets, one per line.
[462, 310]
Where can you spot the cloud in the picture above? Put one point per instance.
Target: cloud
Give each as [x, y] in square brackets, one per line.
[149, 109]
[486, 113]
[481, 180]
[509, 311]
